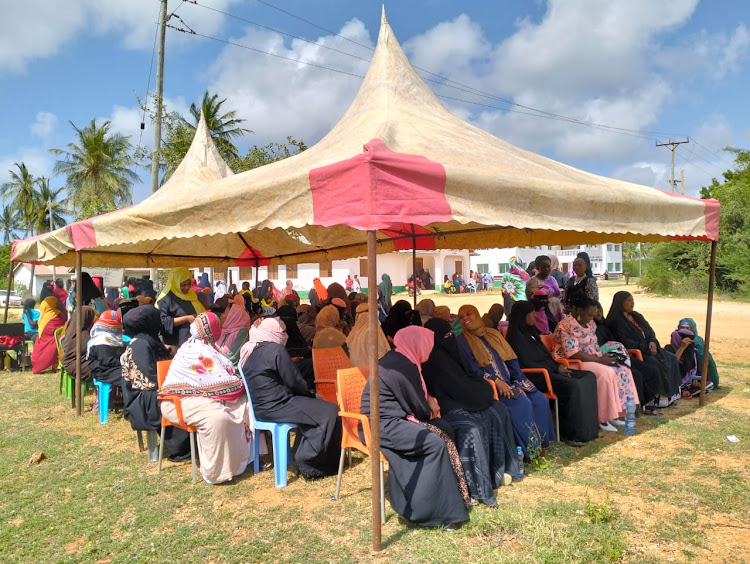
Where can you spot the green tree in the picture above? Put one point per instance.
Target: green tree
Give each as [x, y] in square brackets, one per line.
[98, 168]
[48, 211]
[259, 156]
[224, 127]
[9, 224]
[20, 192]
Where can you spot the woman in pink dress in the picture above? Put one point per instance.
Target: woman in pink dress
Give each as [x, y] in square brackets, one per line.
[575, 338]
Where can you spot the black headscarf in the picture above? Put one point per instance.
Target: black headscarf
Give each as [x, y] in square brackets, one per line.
[143, 320]
[398, 317]
[525, 340]
[447, 378]
[47, 291]
[89, 291]
[295, 344]
[147, 288]
[624, 331]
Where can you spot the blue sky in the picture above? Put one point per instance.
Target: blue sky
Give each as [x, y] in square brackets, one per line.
[677, 68]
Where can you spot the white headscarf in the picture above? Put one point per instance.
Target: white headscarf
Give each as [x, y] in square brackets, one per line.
[221, 290]
[265, 330]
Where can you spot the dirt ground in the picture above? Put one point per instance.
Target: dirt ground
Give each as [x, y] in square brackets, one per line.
[730, 340]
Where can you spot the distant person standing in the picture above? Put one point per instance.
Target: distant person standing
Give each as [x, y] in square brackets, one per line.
[348, 283]
[488, 281]
[60, 292]
[428, 282]
[356, 285]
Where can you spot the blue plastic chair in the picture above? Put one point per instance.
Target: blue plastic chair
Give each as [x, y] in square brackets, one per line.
[102, 393]
[282, 452]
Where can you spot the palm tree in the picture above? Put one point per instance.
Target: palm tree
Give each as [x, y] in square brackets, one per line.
[98, 168]
[9, 224]
[223, 127]
[20, 191]
[49, 212]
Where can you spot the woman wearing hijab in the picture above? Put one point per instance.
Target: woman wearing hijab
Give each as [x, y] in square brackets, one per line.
[105, 347]
[583, 284]
[682, 345]
[543, 280]
[280, 393]
[306, 322]
[69, 344]
[494, 316]
[51, 318]
[268, 295]
[178, 305]
[139, 382]
[398, 317]
[560, 277]
[90, 294]
[235, 322]
[358, 342]
[98, 281]
[221, 289]
[426, 483]
[426, 309]
[575, 337]
[700, 347]
[484, 432]
[213, 400]
[443, 312]
[488, 355]
[632, 330]
[296, 345]
[575, 389]
[328, 332]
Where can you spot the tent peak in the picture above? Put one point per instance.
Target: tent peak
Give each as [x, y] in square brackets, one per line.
[383, 19]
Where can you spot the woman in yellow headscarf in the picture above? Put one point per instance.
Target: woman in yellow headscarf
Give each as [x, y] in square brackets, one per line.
[51, 318]
[178, 305]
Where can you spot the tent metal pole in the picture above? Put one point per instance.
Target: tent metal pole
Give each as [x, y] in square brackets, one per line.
[414, 267]
[709, 313]
[372, 337]
[79, 323]
[7, 292]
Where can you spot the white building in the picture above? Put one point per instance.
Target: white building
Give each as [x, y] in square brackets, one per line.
[113, 277]
[606, 257]
[397, 265]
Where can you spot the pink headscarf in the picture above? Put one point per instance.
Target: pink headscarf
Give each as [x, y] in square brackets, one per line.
[237, 319]
[265, 330]
[415, 343]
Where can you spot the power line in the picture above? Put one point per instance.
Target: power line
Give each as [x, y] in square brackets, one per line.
[148, 87]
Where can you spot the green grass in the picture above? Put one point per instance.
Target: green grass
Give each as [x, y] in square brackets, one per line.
[669, 493]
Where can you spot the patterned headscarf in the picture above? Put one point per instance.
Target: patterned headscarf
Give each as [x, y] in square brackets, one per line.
[107, 330]
[206, 327]
[265, 330]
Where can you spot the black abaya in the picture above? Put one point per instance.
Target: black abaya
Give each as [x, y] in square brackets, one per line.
[422, 485]
[280, 394]
[170, 307]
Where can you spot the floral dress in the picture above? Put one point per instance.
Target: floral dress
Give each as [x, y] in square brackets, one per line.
[571, 337]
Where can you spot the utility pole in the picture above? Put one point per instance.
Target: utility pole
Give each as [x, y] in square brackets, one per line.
[49, 211]
[682, 182]
[158, 99]
[672, 146]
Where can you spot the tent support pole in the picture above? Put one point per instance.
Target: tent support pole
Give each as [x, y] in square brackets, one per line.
[256, 273]
[372, 337]
[79, 323]
[7, 292]
[709, 313]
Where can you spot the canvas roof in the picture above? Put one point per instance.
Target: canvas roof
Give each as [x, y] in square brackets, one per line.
[398, 161]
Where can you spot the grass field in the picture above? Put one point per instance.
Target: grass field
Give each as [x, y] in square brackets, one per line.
[676, 492]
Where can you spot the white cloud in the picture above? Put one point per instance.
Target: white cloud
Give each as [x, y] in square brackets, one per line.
[647, 173]
[33, 29]
[279, 97]
[44, 125]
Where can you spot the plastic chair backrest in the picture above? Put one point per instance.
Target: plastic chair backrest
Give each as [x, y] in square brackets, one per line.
[326, 362]
[349, 385]
[162, 367]
[548, 341]
[58, 341]
[249, 399]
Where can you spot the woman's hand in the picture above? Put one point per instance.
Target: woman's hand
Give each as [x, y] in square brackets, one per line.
[184, 319]
[563, 370]
[434, 407]
[607, 360]
[652, 347]
[686, 342]
[503, 389]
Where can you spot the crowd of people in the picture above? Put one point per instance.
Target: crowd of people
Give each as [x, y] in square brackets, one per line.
[462, 396]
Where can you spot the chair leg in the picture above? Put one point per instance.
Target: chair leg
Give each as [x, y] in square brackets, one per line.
[382, 495]
[280, 456]
[153, 452]
[557, 420]
[192, 454]
[341, 473]
[161, 449]
[140, 441]
[256, 450]
[102, 390]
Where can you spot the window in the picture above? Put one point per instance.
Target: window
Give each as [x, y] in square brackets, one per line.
[503, 267]
[610, 266]
[483, 268]
[326, 269]
[291, 271]
[363, 266]
[273, 272]
[246, 273]
[609, 248]
[618, 267]
[617, 248]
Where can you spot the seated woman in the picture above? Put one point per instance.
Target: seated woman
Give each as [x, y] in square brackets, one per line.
[358, 343]
[422, 459]
[306, 322]
[575, 389]
[51, 318]
[69, 343]
[178, 305]
[575, 337]
[139, 382]
[235, 324]
[328, 332]
[683, 347]
[483, 428]
[213, 400]
[280, 394]
[494, 316]
[583, 284]
[30, 318]
[448, 285]
[268, 295]
[700, 347]
[398, 317]
[426, 309]
[632, 330]
[544, 321]
[296, 345]
[543, 280]
[105, 347]
[488, 355]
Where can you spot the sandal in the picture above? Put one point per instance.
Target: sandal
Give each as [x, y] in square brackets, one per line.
[652, 411]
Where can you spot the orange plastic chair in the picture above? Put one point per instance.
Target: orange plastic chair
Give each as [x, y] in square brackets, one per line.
[549, 394]
[162, 367]
[549, 342]
[325, 364]
[636, 353]
[349, 385]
